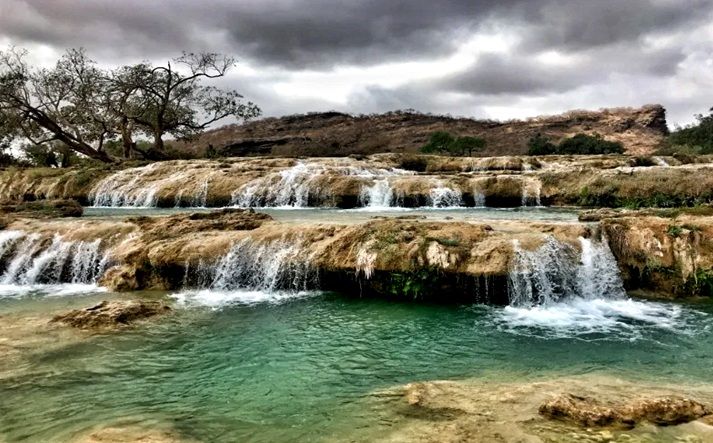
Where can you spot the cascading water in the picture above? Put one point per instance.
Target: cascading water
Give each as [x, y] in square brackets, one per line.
[565, 292]
[200, 198]
[478, 195]
[555, 272]
[302, 184]
[126, 188]
[660, 161]
[445, 197]
[252, 272]
[531, 190]
[378, 195]
[28, 260]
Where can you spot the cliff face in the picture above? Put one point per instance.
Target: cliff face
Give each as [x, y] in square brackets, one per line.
[337, 134]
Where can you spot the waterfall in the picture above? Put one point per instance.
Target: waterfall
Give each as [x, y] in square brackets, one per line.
[125, 188]
[478, 195]
[444, 197]
[288, 188]
[272, 266]
[140, 187]
[531, 189]
[200, 198]
[378, 195]
[555, 272]
[660, 161]
[301, 185]
[30, 260]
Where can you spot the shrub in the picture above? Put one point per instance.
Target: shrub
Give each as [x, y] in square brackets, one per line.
[583, 144]
[580, 144]
[540, 145]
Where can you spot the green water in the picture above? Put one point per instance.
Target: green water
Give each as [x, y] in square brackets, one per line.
[307, 368]
[360, 215]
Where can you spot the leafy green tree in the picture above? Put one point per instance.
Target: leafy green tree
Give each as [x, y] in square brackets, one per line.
[439, 141]
[468, 144]
[540, 145]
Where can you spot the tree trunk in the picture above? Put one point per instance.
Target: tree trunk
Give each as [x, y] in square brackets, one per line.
[126, 139]
[63, 136]
[158, 142]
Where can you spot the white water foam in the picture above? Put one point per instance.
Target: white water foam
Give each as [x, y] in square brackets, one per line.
[32, 265]
[299, 185]
[215, 299]
[251, 272]
[9, 291]
[378, 195]
[578, 316]
[442, 196]
[564, 293]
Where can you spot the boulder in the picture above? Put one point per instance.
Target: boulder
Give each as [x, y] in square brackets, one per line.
[109, 314]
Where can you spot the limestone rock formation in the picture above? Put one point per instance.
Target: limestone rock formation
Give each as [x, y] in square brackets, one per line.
[110, 314]
[588, 412]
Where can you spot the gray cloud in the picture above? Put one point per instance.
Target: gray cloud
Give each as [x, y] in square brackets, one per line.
[608, 42]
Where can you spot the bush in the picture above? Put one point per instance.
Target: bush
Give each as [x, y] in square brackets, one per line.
[580, 144]
[540, 145]
[698, 137]
[583, 144]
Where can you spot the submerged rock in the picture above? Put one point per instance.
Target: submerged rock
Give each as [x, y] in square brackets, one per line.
[43, 209]
[115, 313]
[588, 412]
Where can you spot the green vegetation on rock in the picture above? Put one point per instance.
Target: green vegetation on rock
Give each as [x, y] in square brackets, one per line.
[580, 144]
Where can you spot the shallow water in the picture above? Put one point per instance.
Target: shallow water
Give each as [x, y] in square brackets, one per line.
[252, 366]
[360, 215]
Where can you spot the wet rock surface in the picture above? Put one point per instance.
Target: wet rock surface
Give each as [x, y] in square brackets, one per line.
[43, 209]
[111, 314]
[588, 412]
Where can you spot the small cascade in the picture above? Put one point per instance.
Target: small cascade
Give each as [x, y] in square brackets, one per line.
[531, 190]
[200, 198]
[444, 197]
[126, 188]
[141, 187]
[660, 161]
[556, 271]
[378, 195]
[478, 195]
[276, 265]
[29, 260]
[301, 185]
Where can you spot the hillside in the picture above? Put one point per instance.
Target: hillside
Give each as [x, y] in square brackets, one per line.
[338, 134]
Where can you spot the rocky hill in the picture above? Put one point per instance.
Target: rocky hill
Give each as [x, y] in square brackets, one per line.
[337, 134]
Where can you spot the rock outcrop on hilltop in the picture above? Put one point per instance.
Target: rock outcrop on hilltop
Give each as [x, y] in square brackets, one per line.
[641, 130]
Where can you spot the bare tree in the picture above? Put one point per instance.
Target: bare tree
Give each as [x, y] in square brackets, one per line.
[170, 99]
[68, 103]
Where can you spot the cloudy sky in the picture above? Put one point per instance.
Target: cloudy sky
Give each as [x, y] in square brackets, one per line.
[483, 58]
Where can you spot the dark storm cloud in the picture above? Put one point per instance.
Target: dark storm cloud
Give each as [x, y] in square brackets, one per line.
[319, 33]
[601, 41]
[526, 74]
